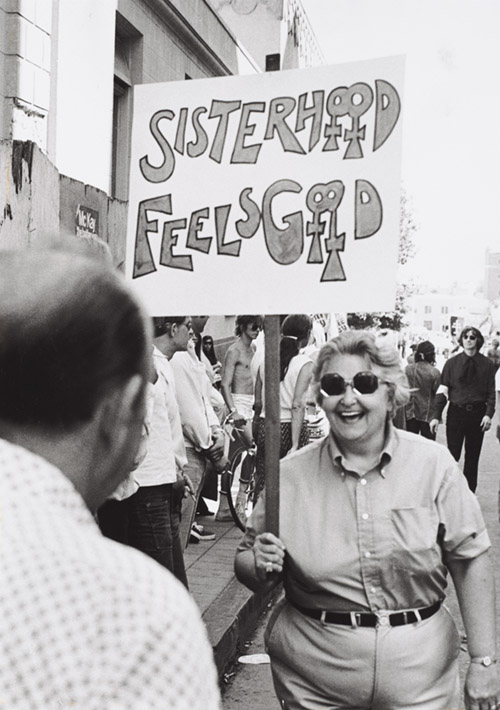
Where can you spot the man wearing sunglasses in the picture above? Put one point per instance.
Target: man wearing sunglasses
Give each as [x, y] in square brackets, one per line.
[468, 383]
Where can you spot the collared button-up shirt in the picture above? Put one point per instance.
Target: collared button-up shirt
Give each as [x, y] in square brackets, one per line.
[377, 541]
[88, 623]
[193, 397]
[166, 453]
[479, 389]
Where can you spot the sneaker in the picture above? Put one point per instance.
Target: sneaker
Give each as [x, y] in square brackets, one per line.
[200, 532]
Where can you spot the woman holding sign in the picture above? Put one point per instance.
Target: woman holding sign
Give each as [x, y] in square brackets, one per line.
[372, 520]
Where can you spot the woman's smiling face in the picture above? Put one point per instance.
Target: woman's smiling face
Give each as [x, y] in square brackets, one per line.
[354, 417]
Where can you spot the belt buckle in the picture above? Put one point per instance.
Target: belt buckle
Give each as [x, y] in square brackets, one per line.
[382, 619]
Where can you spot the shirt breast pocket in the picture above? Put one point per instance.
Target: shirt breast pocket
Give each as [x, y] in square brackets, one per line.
[414, 534]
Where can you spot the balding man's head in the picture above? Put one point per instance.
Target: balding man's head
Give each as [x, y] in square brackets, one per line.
[69, 331]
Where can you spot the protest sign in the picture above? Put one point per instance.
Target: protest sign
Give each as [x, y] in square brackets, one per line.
[272, 193]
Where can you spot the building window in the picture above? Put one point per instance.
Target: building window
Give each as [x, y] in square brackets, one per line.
[427, 309]
[444, 309]
[128, 71]
[428, 324]
[119, 161]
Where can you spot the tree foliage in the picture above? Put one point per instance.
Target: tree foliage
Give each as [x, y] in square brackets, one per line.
[394, 320]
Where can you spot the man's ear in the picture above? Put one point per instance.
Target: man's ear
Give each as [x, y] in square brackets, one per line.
[121, 408]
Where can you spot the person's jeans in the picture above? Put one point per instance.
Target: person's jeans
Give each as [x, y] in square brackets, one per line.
[419, 426]
[195, 468]
[112, 517]
[463, 425]
[154, 522]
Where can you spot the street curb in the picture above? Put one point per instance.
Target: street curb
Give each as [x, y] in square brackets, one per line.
[231, 620]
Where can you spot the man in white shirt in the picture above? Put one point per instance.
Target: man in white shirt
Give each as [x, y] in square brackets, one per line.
[87, 622]
[154, 511]
[203, 436]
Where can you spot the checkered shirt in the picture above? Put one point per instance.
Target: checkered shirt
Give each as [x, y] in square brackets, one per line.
[88, 624]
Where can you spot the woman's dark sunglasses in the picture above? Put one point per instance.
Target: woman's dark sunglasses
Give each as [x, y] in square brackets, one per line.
[332, 384]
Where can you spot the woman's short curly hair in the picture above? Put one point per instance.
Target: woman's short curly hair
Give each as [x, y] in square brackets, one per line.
[381, 354]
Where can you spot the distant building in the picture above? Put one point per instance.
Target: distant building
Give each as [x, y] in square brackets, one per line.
[443, 313]
[276, 32]
[492, 276]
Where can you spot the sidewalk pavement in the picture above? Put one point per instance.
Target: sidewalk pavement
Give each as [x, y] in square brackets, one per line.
[230, 610]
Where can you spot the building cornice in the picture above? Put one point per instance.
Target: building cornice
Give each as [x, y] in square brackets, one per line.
[187, 33]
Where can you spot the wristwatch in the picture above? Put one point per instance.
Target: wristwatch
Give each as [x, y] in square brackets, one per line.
[484, 660]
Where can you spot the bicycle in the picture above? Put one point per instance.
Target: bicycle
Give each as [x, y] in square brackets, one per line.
[239, 480]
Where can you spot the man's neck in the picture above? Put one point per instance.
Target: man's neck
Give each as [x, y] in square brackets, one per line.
[246, 340]
[166, 346]
[67, 451]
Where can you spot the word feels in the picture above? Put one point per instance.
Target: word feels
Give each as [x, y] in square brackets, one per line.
[181, 238]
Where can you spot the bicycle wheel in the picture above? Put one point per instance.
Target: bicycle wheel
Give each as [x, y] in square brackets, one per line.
[240, 485]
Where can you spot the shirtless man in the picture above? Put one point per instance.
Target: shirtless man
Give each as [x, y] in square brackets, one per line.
[237, 384]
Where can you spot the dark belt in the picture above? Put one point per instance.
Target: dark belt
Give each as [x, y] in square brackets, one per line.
[362, 618]
[471, 407]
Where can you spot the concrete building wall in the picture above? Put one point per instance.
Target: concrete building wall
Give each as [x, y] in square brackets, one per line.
[41, 206]
[25, 34]
[29, 196]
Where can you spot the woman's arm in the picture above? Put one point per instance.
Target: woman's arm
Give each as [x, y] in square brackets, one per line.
[259, 568]
[475, 587]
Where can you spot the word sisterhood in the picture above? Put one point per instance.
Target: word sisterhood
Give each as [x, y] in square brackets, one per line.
[285, 117]
[284, 174]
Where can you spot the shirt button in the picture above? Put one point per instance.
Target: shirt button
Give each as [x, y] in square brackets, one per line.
[373, 590]
[363, 481]
[368, 553]
[365, 516]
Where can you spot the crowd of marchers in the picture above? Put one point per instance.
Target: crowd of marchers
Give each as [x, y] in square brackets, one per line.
[111, 432]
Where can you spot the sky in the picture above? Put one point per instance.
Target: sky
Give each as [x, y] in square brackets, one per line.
[451, 108]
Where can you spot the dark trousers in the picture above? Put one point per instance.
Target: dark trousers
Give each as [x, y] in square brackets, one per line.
[463, 426]
[149, 521]
[418, 426]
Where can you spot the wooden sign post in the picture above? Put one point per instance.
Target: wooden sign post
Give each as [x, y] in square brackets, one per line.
[272, 430]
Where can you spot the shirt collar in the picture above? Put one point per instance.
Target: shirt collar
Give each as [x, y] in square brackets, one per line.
[469, 357]
[158, 353]
[386, 455]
